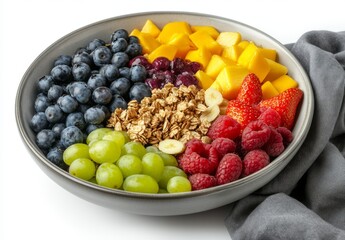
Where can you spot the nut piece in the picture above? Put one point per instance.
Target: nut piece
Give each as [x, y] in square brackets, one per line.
[171, 146]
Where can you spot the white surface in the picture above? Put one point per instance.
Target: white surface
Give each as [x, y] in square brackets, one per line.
[34, 207]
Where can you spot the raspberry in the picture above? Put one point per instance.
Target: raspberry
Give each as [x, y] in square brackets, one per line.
[271, 117]
[194, 145]
[224, 146]
[254, 161]
[224, 126]
[229, 169]
[255, 135]
[202, 180]
[199, 158]
[274, 146]
[286, 134]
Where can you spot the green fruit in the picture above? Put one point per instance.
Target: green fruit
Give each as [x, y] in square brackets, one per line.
[179, 184]
[77, 150]
[129, 164]
[169, 172]
[83, 168]
[97, 134]
[102, 151]
[116, 137]
[109, 175]
[140, 183]
[153, 165]
[134, 148]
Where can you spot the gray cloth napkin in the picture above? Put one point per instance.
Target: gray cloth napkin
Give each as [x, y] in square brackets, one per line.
[307, 199]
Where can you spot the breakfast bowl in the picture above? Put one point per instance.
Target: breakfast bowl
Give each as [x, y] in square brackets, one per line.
[165, 204]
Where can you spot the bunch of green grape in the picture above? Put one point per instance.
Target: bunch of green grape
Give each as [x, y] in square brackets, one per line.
[110, 159]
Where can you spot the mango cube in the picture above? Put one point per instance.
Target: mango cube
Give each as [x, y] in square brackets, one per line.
[147, 41]
[284, 82]
[215, 65]
[201, 55]
[276, 70]
[243, 44]
[202, 39]
[232, 52]
[183, 44]
[227, 39]
[164, 50]
[268, 90]
[151, 28]
[269, 53]
[209, 29]
[205, 81]
[172, 28]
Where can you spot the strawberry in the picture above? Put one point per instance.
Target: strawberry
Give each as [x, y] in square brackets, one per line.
[285, 104]
[250, 92]
[242, 113]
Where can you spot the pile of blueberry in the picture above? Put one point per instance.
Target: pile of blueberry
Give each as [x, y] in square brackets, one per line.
[81, 91]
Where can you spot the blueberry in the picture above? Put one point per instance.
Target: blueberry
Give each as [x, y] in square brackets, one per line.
[71, 135]
[138, 91]
[57, 129]
[120, 59]
[119, 45]
[82, 57]
[94, 44]
[55, 155]
[55, 92]
[137, 73]
[41, 103]
[120, 33]
[134, 49]
[96, 80]
[105, 109]
[83, 107]
[81, 71]
[80, 91]
[101, 56]
[54, 113]
[61, 73]
[133, 39]
[45, 139]
[110, 72]
[67, 103]
[76, 119]
[45, 83]
[102, 95]
[63, 60]
[94, 115]
[38, 122]
[117, 102]
[124, 72]
[120, 86]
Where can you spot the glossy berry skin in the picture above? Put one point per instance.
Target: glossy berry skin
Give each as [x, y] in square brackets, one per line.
[120, 86]
[120, 59]
[119, 33]
[255, 135]
[45, 83]
[39, 122]
[137, 73]
[96, 80]
[55, 156]
[254, 161]
[224, 127]
[202, 180]
[161, 64]
[124, 72]
[250, 91]
[71, 135]
[81, 71]
[61, 73]
[224, 146]
[63, 60]
[110, 72]
[101, 56]
[133, 50]
[229, 169]
[45, 139]
[67, 103]
[57, 129]
[41, 103]
[102, 95]
[76, 119]
[138, 91]
[186, 79]
[95, 43]
[82, 57]
[55, 92]
[94, 115]
[119, 45]
[117, 102]
[242, 113]
[54, 113]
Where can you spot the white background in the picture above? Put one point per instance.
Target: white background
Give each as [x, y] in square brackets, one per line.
[34, 207]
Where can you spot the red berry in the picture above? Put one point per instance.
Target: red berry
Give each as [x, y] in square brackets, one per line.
[229, 169]
[202, 180]
[224, 127]
[254, 161]
[250, 92]
[242, 113]
[224, 146]
[255, 135]
[274, 146]
[286, 134]
[271, 117]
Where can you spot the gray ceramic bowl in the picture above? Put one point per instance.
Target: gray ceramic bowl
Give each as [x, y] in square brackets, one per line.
[158, 204]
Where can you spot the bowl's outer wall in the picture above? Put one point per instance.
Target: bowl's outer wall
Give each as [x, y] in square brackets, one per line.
[163, 204]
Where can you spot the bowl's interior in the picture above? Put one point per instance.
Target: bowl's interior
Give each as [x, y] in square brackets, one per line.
[69, 43]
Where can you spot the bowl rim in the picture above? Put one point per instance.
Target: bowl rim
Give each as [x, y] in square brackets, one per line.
[289, 151]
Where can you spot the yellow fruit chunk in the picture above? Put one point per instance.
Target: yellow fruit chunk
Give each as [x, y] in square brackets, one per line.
[183, 44]
[269, 53]
[151, 28]
[209, 29]
[268, 90]
[215, 65]
[147, 41]
[205, 81]
[229, 81]
[284, 82]
[232, 52]
[164, 50]
[276, 70]
[243, 44]
[172, 28]
[202, 39]
[201, 55]
[227, 39]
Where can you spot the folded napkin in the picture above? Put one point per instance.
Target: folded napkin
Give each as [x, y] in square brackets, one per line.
[307, 199]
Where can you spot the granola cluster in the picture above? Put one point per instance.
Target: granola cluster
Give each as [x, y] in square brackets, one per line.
[171, 112]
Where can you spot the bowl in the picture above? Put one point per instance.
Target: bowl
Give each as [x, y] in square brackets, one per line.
[158, 204]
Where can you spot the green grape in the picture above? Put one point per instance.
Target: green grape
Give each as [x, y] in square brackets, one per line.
[168, 159]
[102, 151]
[129, 164]
[97, 134]
[135, 148]
[126, 136]
[153, 165]
[162, 190]
[83, 168]
[179, 184]
[152, 149]
[140, 183]
[169, 172]
[77, 150]
[109, 175]
[116, 137]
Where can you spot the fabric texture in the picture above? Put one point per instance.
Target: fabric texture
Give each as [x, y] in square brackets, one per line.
[307, 199]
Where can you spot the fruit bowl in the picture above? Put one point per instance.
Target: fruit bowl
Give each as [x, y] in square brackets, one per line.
[158, 204]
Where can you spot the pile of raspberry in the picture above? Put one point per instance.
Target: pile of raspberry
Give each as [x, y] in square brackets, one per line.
[234, 152]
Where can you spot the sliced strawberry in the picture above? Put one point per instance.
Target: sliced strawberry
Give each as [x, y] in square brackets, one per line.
[242, 112]
[285, 104]
[250, 92]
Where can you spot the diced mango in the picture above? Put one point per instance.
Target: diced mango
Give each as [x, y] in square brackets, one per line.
[147, 42]
[276, 70]
[229, 81]
[205, 81]
[232, 52]
[151, 28]
[227, 39]
[201, 55]
[209, 29]
[216, 64]
[164, 50]
[183, 44]
[243, 44]
[269, 53]
[284, 82]
[135, 32]
[172, 28]
[203, 39]
[268, 90]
